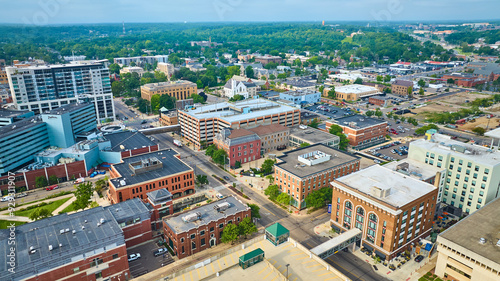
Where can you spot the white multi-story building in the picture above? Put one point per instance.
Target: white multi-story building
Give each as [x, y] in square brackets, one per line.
[234, 87]
[43, 88]
[472, 171]
[141, 60]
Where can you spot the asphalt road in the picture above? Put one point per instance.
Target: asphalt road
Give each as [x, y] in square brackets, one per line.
[301, 228]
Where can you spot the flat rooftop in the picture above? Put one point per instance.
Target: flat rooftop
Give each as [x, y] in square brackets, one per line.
[8, 113]
[129, 210]
[67, 108]
[493, 133]
[300, 83]
[300, 93]
[289, 161]
[66, 247]
[239, 111]
[20, 126]
[358, 121]
[355, 89]
[311, 135]
[416, 169]
[486, 224]
[208, 214]
[155, 86]
[170, 165]
[398, 189]
[128, 140]
[445, 145]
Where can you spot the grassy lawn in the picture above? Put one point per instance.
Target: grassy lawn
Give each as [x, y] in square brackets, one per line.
[429, 277]
[347, 40]
[71, 208]
[51, 207]
[4, 224]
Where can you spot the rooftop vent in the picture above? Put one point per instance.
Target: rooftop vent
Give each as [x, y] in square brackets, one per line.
[192, 217]
[483, 241]
[50, 247]
[101, 221]
[98, 224]
[74, 231]
[222, 206]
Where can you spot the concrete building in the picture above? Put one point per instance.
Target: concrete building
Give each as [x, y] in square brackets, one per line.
[304, 134]
[267, 59]
[355, 92]
[42, 88]
[199, 229]
[87, 245]
[133, 69]
[166, 68]
[8, 116]
[301, 97]
[4, 80]
[141, 60]
[204, 122]
[273, 137]
[241, 145]
[179, 89]
[304, 170]
[469, 249]
[138, 175]
[472, 171]
[298, 85]
[168, 117]
[309, 117]
[392, 210]
[234, 87]
[361, 131]
[401, 88]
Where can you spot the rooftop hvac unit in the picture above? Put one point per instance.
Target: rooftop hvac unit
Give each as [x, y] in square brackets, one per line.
[222, 206]
[192, 217]
[483, 240]
[123, 183]
[50, 247]
[74, 231]
[102, 220]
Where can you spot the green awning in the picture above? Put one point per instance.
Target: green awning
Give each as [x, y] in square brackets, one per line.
[277, 230]
[250, 255]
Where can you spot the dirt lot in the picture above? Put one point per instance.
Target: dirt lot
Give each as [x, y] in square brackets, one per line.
[460, 99]
[480, 122]
[431, 107]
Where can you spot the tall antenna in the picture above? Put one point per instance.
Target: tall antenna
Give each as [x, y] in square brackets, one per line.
[123, 27]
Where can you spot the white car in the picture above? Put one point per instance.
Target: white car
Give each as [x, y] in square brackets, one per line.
[133, 257]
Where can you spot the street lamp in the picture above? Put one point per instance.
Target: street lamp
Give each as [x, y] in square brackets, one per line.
[287, 271]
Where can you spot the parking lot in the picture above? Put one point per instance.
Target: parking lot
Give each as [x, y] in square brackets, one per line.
[330, 110]
[389, 151]
[147, 262]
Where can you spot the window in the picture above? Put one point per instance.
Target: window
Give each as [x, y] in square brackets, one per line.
[202, 242]
[221, 225]
[452, 160]
[202, 232]
[440, 158]
[212, 229]
[182, 240]
[115, 256]
[193, 236]
[486, 171]
[460, 162]
[76, 269]
[193, 245]
[98, 275]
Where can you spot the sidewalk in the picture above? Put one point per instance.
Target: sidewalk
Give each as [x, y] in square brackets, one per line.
[36, 203]
[14, 218]
[63, 206]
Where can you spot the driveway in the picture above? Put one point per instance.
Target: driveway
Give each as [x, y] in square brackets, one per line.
[148, 262]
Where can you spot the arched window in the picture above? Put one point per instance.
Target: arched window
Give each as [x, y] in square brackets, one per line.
[348, 205]
[360, 217]
[372, 228]
[347, 214]
[373, 217]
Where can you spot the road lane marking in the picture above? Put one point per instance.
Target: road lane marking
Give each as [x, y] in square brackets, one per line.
[220, 267]
[298, 254]
[302, 258]
[213, 268]
[265, 277]
[313, 265]
[198, 271]
[321, 269]
[325, 274]
[331, 278]
[308, 261]
[263, 269]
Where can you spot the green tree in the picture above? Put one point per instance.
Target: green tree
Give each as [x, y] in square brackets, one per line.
[83, 194]
[267, 166]
[314, 123]
[114, 68]
[337, 130]
[255, 209]
[370, 113]
[421, 92]
[319, 198]
[219, 157]
[272, 77]
[421, 83]
[304, 144]
[247, 227]
[272, 191]
[479, 130]
[201, 180]
[117, 88]
[230, 234]
[100, 184]
[321, 89]
[249, 72]
[237, 98]
[379, 113]
[53, 179]
[210, 150]
[450, 81]
[423, 129]
[284, 199]
[155, 103]
[197, 98]
[41, 182]
[380, 78]
[39, 213]
[358, 81]
[387, 78]
[331, 93]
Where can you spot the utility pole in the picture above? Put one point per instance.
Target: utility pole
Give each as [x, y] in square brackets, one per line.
[287, 270]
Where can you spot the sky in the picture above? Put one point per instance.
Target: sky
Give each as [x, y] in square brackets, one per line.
[43, 12]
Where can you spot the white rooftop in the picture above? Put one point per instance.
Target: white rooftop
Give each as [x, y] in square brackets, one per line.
[493, 133]
[318, 250]
[445, 145]
[416, 169]
[380, 183]
[243, 110]
[355, 89]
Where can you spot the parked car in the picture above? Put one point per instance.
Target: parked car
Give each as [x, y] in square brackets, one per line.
[160, 252]
[20, 195]
[419, 258]
[219, 196]
[52, 187]
[133, 257]
[226, 178]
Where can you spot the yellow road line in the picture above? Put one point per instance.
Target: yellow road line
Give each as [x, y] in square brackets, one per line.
[268, 274]
[277, 268]
[206, 270]
[313, 265]
[272, 261]
[310, 245]
[220, 266]
[199, 275]
[308, 261]
[331, 278]
[325, 274]
[321, 269]
[321, 215]
[183, 278]
[263, 269]
[306, 257]
[295, 279]
[299, 254]
[292, 250]
[231, 256]
[213, 268]
[191, 275]
[287, 246]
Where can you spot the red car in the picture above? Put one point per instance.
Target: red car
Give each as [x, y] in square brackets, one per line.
[52, 187]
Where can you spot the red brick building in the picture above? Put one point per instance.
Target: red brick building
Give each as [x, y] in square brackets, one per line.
[241, 145]
[464, 80]
[201, 228]
[361, 131]
[379, 101]
[87, 245]
[302, 171]
[393, 211]
[138, 175]
[267, 59]
[161, 201]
